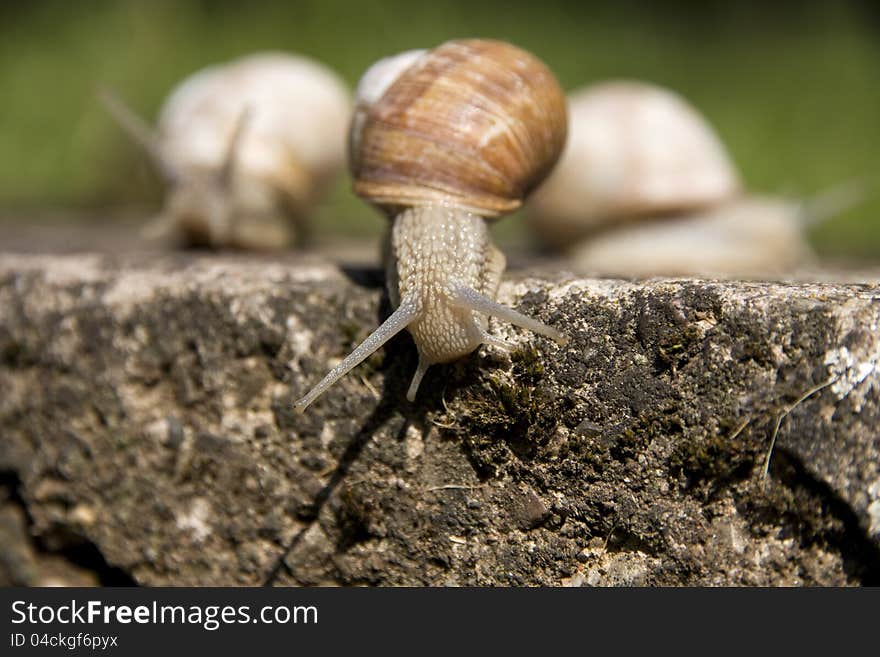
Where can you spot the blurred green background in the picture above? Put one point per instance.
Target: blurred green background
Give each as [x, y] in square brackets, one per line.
[792, 87]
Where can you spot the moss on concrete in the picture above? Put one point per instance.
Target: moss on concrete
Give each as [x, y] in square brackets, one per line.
[147, 412]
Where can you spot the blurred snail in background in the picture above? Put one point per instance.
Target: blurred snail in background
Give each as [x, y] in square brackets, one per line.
[442, 141]
[244, 149]
[645, 187]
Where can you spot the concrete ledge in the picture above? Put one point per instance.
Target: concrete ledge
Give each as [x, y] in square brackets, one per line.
[146, 413]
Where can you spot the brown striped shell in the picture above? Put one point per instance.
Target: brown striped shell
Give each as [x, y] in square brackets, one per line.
[475, 123]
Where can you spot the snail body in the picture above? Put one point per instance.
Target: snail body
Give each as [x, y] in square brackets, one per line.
[646, 187]
[245, 148]
[453, 137]
[749, 237]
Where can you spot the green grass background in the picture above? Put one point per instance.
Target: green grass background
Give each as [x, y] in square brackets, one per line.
[792, 87]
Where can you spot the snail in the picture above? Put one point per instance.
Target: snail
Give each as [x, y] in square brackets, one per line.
[244, 148]
[443, 141]
[749, 237]
[645, 187]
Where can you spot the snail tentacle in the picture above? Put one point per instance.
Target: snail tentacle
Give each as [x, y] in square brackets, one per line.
[417, 378]
[140, 132]
[226, 173]
[469, 298]
[405, 314]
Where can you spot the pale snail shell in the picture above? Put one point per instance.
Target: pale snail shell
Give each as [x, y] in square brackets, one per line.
[633, 150]
[440, 141]
[646, 187]
[245, 148]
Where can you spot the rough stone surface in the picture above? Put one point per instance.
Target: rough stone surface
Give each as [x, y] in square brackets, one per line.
[146, 413]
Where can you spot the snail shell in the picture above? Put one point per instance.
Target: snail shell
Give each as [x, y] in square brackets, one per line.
[477, 123]
[370, 89]
[246, 147]
[635, 150]
[442, 140]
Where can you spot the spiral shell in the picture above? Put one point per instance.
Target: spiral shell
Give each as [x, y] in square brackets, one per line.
[370, 89]
[294, 137]
[474, 123]
[245, 148]
[634, 150]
